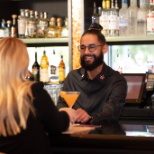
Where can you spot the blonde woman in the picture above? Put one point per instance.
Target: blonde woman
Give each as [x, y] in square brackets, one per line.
[27, 113]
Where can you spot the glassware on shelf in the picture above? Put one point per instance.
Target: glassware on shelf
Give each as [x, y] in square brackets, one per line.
[132, 18]
[64, 32]
[141, 18]
[113, 20]
[52, 30]
[150, 18]
[123, 19]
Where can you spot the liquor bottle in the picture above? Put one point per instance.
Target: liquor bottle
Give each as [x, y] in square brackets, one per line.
[41, 26]
[103, 20]
[150, 18]
[113, 18]
[64, 32]
[59, 27]
[123, 19]
[132, 18]
[46, 22]
[13, 31]
[26, 18]
[108, 5]
[116, 5]
[36, 69]
[21, 24]
[141, 18]
[31, 25]
[54, 68]
[51, 31]
[44, 64]
[61, 70]
[4, 31]
[95, 16]
[9, 25]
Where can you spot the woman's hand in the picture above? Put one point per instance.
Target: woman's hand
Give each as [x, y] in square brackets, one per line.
[71, 112]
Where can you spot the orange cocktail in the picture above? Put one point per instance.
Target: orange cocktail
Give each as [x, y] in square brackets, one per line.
[70, 97]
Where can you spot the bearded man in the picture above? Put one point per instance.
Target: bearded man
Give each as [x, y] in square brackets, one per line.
[102, 89]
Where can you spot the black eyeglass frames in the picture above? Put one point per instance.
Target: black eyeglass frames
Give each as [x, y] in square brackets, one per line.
[91, 47]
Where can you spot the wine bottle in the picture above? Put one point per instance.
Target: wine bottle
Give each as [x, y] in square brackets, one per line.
[61, 71]
[44, 64]
[36, 69]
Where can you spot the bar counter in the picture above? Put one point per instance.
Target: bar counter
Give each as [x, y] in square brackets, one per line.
[120, 138]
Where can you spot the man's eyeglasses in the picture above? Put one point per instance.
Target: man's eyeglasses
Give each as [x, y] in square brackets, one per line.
[91, 47]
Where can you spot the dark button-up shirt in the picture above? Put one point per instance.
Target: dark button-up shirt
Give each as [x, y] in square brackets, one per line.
[102, 97]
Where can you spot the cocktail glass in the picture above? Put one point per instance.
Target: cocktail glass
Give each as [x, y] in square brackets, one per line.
[70, 97]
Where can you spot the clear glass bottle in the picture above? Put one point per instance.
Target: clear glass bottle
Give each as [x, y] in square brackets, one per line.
[41, 26]
[31, 25]
[44, 65]
[150, 18]
[142, 18]
[4, 31]
[123, 19]
[9, 25]
[52, 30]
[132, 18]
[95, 16]
[108, 6]
[26, 19]
[21, 24]
[103, 19]
[113, 18]
[65, 32]
[59, 27]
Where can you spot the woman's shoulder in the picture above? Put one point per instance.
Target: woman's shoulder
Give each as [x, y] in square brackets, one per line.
[37, 88]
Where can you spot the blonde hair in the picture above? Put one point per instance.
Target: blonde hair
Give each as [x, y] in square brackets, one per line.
[15, 91]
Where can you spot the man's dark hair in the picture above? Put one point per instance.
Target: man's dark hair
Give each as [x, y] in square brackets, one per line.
[96, 29]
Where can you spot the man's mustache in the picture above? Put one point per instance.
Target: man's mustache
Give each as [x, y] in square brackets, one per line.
[89, 55]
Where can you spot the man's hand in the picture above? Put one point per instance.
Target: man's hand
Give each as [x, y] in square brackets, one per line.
[82, 116]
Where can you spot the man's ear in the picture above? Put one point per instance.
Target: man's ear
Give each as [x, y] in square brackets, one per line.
[105, 48]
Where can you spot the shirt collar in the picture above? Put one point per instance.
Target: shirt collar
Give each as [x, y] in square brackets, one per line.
[99, 77]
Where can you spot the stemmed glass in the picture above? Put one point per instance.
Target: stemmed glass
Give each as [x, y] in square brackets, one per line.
[70, 97]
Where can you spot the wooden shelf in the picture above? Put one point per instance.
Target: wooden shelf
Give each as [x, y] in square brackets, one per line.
[45, 40]
[130, 39]
[108, 39]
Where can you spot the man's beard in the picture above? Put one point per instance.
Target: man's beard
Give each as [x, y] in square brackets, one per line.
[97, 61]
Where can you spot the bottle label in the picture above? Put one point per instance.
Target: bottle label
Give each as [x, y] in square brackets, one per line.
[43, 62]
[44, 76]
[2, 33]
[52, 69]
[113, 21]
[61, 74]
[21, 26]
[31, 28]
[150, 22]
[123, 23]
[103, 20]
[35, 73]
